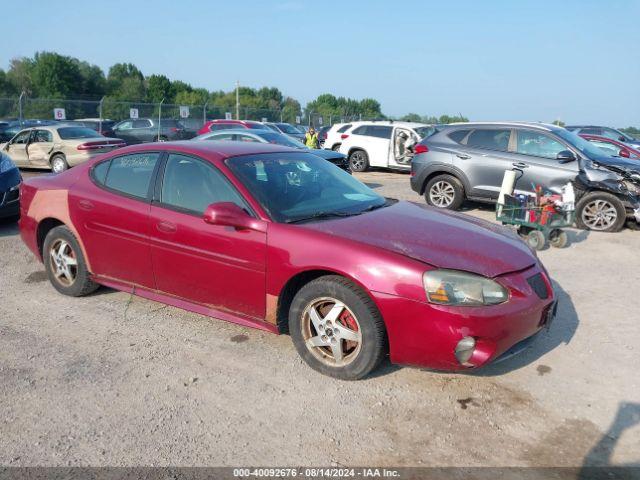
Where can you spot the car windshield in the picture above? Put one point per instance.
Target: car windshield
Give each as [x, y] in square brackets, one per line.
[286, 128]
[586, 148]
[280, 139]
[297, 186]
[70, 133]
[271, 126]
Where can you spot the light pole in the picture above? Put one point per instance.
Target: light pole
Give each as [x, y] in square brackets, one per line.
[100, 114]
[204, 113]
[237, 99]
[160, 117]
[20, 107]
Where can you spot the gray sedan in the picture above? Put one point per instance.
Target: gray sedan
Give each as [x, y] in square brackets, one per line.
[269, 136]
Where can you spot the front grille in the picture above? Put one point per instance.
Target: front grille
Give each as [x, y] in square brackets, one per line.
[539, 285]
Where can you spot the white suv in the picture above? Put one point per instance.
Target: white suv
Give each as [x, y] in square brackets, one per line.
[382, 144]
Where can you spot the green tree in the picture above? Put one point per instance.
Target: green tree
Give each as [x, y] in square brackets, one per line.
[125, 82]
[55, 76]
[559, 123]
[159, 87]
[19, 75]
[94, 82]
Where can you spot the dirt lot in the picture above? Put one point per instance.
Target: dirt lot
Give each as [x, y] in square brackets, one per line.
[117, 380]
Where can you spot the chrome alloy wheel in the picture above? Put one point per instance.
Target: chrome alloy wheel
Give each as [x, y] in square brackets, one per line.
[442, 194]
[58, 165]
[63, 262]
[599, 215]
[357, 160]
[331, 332]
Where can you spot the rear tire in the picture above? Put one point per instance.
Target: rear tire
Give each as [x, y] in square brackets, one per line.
[358, 161]
[59, 163]
[65, 264]
[337, 329]
[600, 212]
[161, 138]
[444, 191]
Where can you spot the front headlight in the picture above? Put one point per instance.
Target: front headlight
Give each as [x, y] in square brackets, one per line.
[450, 287]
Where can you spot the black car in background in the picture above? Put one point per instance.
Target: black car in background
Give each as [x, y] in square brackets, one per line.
[104, 127]
[8, 131]
[141, 130]
[9, 188]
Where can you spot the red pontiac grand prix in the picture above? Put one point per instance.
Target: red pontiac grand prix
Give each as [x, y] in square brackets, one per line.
[282, 240]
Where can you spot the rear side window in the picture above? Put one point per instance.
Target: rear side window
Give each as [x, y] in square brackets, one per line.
[129, 174]
[490, 139]
[344, 128]
[141, 123]
[379, 131]
[458, 135]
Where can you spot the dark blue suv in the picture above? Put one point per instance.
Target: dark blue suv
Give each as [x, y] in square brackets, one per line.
[9, 188]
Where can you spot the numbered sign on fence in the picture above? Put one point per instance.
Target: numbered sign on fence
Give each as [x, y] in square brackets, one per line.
[184, 111]
[59, 114]
[227, 115]
[133, 113]
[264, 119]
[319, 120]
[298, 119]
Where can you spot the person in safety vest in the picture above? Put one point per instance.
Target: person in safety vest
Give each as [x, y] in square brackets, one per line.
[311, 138]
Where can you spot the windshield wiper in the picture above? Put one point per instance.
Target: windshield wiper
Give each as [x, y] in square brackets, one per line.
[319, 215]
[387, 202]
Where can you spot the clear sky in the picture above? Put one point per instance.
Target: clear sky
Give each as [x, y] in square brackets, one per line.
[513, 60]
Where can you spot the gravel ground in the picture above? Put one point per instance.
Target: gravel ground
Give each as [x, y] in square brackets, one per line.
[112, 379]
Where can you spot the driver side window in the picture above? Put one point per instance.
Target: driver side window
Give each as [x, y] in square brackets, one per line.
[125, 125]
[22, 138]
[192, 185]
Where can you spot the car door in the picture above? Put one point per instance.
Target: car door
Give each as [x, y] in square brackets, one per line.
[537, 151]
[17, 148]
[144, 131]
[111, 213]
[124, 131]
[40, 148]
[483, 155]
[211, 265]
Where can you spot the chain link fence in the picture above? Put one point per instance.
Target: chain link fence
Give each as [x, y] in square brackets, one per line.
[192, 116]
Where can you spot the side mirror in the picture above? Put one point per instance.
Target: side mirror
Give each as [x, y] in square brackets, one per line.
[228, 214]
[566, 156]
[622, 139]
[624, 153]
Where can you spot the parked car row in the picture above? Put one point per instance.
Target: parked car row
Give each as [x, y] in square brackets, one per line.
[468, 161]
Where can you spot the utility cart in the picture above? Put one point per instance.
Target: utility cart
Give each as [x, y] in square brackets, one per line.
[537, 224]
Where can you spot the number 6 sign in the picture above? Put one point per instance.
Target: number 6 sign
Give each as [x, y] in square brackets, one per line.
[59, 114]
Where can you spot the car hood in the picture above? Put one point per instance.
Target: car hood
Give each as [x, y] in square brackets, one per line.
[616, 164]
[439, 238]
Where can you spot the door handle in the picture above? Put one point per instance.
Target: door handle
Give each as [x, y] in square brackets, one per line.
[85, 205]
[166, 227]
[463, 156]
[520, 165]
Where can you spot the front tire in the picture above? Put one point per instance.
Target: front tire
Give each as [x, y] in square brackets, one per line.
[59, 163]
[444, 191]
[337, 329]
[601, 212]
[65, 264]
[358, 161]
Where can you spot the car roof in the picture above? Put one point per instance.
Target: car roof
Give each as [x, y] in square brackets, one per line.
[242, 131]
[538, 125]
[211, 150]
[390, 123]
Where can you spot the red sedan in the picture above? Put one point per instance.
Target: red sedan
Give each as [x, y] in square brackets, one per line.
[279, 239]
[215, 125]
[613, 147]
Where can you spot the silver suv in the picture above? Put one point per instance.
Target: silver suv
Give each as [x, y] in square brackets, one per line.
[468, 161]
